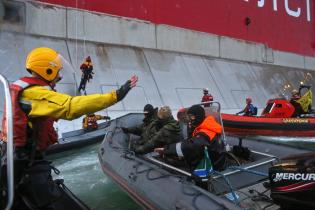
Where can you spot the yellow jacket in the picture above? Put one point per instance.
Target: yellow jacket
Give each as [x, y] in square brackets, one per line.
[45, 102]
[91, 120]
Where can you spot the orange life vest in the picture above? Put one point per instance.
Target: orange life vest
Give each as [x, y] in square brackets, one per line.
[92, 122]
[43, 131]
[210, 127]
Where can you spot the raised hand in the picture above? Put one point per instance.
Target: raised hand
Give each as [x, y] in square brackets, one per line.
[124, 89]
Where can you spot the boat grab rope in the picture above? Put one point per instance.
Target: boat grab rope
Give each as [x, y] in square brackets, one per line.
[125, 151]
[260, 196]
[155, 178]
[148, 172]
[249, 171]
[194, 194]
[235, 199]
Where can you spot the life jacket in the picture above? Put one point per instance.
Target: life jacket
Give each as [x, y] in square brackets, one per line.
[209, 127]
[86, 65]
[40, 128]
[206, 98]
[250, 110]
[90, 122]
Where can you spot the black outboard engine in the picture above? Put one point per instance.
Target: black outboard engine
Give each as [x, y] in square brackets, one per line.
[292, 182]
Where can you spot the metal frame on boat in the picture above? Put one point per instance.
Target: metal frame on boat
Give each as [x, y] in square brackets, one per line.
[9, 149]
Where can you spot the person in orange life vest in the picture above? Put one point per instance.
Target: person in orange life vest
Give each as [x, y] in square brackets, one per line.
[206, 97]
[90, 121]
[87, 73]
[205, 131]
[249, 108]
[36, 105]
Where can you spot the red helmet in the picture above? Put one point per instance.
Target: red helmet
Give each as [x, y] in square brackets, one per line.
[248, 100]
[181, 110]
[181, 114]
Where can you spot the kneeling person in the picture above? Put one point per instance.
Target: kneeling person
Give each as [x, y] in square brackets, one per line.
[168, 132]
[90, 121]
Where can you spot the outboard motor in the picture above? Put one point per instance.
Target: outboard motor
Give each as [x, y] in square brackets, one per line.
[292, 182]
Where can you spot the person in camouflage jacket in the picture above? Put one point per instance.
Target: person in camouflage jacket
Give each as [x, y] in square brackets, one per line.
[148, 128]
[168, 132]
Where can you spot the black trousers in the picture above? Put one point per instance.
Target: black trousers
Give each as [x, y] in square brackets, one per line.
[35, 189]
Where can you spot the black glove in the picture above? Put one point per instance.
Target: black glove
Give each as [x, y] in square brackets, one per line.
[123, 90]
[106, 117]
[139, 150]
[125, 130]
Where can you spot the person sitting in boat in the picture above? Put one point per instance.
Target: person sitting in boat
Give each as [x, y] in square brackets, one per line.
[295, 96]
[206, 97]
[181, 115]
[90, 121]
[148, 128]
[87, 73]
[183, 120]
[168, 131]
[205, 131]
[249, 110]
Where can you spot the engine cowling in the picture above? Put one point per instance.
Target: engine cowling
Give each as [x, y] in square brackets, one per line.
[292, 182]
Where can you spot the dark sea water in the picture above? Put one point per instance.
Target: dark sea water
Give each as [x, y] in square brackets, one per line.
[83, 175]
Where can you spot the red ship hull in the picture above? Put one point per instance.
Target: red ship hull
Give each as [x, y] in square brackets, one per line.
[246, 126]
[277, 24]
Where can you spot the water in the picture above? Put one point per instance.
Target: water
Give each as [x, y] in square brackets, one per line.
[82, 173]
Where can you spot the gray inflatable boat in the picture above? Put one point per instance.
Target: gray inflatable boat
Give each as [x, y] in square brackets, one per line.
[156, 184]
[78, 138]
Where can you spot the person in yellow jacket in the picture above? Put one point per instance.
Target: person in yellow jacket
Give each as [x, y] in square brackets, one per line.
[36, 105]
[90, 121]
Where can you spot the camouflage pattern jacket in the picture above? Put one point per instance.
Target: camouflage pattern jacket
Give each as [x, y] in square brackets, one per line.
[146, 130]
[168, 133]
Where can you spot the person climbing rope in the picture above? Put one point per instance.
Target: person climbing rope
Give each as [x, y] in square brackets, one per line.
[87, 73]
